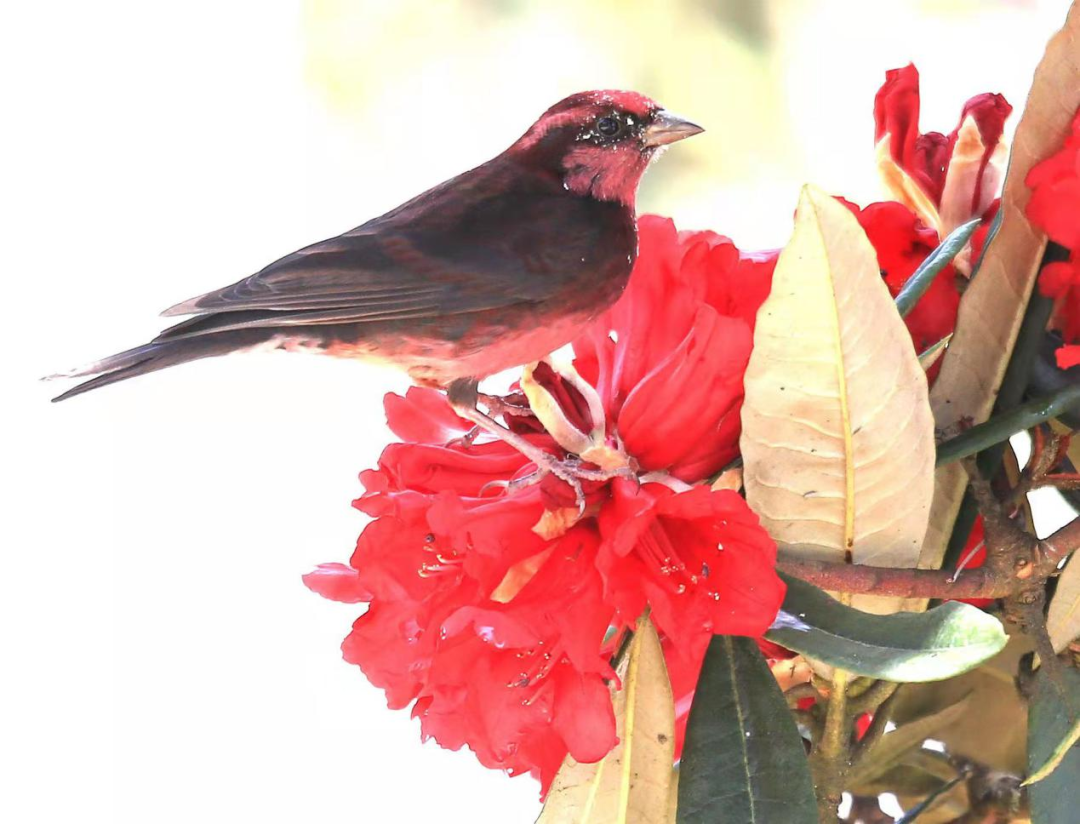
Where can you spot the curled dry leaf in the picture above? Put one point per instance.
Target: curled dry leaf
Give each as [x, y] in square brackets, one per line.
[632, 784]
[837, 441]
[1063, 619]
[729, 479]
[992, 308]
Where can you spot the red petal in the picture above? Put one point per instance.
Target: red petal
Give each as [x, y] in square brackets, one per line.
[989, 112]
[1055, 198]
[1068, 356]
[492, 627]
[687, 395]
[1056, 279]
[896, 112]
[423, 416]
[337, 582]
[428, 468]
[584, 716]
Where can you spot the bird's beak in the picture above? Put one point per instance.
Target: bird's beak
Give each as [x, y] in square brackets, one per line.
[667, 128]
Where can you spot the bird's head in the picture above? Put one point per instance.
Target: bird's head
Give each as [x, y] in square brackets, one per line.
[601, 142]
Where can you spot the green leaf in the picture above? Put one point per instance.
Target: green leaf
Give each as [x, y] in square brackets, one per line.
[1002, 427]
[942, 256]
[744, 760]
[1055, 796]
[908, 646]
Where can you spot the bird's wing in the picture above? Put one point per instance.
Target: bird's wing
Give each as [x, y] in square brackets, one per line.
[465, 246]
[370, 274]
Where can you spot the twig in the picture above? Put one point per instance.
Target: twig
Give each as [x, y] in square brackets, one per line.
[831, 757]
[874, 697]
[1063, 542]
[1015, 562]
[858, 579]
[877, 726]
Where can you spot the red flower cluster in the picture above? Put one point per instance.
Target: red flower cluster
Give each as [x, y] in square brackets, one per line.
[495, 603]
[1055, 208]
[940, 182]
[493, 611]
[946, 179]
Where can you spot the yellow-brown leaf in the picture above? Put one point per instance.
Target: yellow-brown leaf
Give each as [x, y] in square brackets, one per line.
[632, 784]
[837, 441]
[1063, 619]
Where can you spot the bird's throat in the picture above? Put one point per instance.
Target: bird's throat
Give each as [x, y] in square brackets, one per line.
[606, 173]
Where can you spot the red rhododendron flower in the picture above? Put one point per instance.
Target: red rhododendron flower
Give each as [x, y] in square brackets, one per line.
[492, 599]
[661, 548]
[496, 601]
[939, 182]
[668, 359]
[1055, 208]
[958, 173]
[1055, 197]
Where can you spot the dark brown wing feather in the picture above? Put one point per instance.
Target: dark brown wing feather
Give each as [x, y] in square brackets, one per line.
[497, 236]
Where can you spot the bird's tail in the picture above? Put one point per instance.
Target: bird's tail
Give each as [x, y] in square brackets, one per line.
[159, 354]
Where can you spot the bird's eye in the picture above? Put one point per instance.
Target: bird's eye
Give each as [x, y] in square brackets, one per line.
[607, 126]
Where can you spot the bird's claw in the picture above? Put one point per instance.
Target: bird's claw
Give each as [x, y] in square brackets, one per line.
[501, 406]
[465, 440]
[507, 485]
[536, 477]
[571, 472]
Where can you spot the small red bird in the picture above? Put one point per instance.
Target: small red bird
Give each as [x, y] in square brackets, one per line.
[492, 269]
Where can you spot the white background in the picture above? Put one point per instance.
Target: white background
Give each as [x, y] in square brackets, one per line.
[160, 659]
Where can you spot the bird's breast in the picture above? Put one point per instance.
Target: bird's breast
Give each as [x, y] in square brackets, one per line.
[484, 346]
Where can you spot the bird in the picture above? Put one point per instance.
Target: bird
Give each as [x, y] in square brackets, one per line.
[492, 269]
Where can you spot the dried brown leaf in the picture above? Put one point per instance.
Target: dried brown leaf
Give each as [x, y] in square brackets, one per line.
[632, 784]
[837, 441]
[1063, 619]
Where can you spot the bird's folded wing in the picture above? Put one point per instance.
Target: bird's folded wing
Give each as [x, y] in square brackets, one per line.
[354, 279]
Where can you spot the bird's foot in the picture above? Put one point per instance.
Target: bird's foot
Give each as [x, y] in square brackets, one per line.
[467, 439]
[571, 470]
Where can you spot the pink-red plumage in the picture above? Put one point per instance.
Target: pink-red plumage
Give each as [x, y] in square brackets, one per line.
[493, 268]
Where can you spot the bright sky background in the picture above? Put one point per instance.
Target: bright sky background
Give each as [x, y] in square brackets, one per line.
[162, 661]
